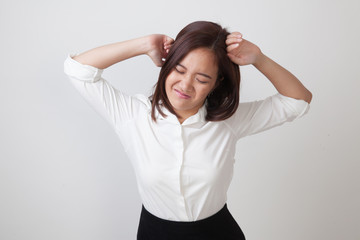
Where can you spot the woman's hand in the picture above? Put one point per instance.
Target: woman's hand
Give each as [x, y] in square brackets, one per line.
[159, 46]
[241, 51]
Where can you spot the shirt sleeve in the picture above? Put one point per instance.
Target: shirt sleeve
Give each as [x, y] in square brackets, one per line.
[114, 106]
[254, 117]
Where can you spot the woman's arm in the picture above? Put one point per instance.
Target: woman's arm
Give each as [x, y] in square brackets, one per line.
[84, 72]
[243, 52]
[156, 46]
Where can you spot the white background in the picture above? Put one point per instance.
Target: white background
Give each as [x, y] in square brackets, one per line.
[64, 174]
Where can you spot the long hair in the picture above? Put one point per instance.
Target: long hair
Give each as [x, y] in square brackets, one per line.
[224, 99]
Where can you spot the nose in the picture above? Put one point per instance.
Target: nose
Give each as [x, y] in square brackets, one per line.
[186, 83]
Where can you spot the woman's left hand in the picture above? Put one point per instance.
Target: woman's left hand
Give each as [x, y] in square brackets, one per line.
[241, 51]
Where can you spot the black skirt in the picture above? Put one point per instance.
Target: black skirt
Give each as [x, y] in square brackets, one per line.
[220, 226]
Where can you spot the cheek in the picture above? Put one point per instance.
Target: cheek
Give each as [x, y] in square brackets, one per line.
[205, 91]
[169, 82]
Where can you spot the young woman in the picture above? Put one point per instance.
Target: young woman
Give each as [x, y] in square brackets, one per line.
[181, 140]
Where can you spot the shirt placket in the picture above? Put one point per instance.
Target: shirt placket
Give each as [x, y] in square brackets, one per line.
[180, 155]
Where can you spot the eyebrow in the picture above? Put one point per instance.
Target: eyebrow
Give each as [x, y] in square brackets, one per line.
[202, 74]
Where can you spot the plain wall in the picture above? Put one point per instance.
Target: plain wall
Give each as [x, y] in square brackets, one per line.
[64, 174]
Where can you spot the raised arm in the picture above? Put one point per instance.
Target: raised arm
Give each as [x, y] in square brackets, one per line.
[84, 71]
[243, 52]
[156, 46]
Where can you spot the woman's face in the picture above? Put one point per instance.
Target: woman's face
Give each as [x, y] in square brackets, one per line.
[190, 82]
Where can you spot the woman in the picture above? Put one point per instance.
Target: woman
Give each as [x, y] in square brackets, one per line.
[181, 140]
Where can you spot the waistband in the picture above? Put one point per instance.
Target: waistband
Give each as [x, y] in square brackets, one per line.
[221, 214]
[221, 225]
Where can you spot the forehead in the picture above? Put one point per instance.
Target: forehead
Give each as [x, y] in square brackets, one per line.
[200, 59]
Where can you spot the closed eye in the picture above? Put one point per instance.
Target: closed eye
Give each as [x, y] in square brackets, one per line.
[202, 82]
[181, 72]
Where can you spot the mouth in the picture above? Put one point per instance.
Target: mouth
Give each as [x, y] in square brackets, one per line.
[181, 95]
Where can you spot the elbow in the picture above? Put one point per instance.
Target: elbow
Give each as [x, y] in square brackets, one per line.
[305, 95]
[308, 97]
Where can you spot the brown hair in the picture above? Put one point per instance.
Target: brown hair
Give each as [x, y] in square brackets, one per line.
[223, 101]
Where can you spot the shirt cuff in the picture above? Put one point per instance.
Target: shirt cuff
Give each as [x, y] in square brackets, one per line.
[81, 71]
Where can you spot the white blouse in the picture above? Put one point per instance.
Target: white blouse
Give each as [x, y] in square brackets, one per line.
[183, 171]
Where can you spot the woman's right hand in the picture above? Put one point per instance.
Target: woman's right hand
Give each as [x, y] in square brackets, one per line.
[159, 46]
[156, 46]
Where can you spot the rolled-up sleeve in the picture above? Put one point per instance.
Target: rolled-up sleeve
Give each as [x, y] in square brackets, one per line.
[113, 105]
[81, 72]
[258, 116]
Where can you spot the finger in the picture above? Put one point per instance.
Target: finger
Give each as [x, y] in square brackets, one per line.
[168, 40]
[232, 47]
[233, 40]
[236, 34]
[167, 46]
[233, 37]
[168, 43]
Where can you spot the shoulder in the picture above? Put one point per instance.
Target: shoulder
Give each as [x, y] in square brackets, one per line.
[142, 100]
[260, 115]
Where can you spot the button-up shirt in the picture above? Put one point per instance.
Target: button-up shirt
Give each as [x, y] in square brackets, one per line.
[183, 170]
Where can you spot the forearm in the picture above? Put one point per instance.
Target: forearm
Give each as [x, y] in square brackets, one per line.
[107, 55]
[284, 81]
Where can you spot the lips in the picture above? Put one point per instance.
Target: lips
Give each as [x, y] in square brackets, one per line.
[181, 94]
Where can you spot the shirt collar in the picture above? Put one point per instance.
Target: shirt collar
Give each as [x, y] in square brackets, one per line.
[196, 118]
